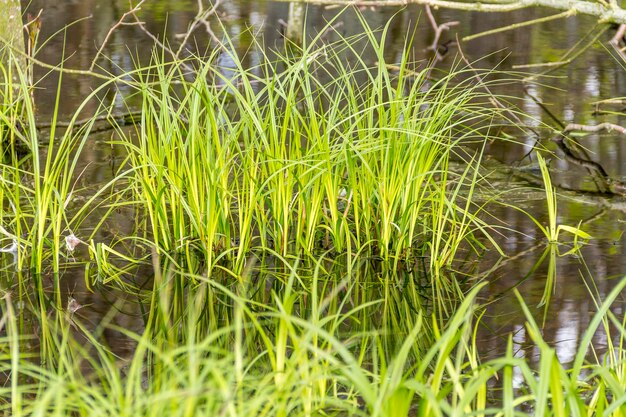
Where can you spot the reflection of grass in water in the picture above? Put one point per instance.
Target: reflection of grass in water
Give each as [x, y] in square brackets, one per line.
[316, 343]
[313, 346]
[40, 196]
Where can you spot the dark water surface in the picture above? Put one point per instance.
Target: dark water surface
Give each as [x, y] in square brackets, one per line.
[569, 92]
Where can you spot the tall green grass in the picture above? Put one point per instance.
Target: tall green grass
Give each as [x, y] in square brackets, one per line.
[318, 149]
[552, 230]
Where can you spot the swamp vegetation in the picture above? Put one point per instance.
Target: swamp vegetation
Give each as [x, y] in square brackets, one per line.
[290, 232]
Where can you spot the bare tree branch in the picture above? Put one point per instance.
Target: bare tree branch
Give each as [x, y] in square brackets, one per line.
[609, 127]
[202, 18]
[604, 12]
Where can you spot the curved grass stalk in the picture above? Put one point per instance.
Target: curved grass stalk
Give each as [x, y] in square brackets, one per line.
[552, 230]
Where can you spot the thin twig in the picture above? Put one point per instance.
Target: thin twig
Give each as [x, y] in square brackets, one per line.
[615, 41]
[161, 45]
[618, 101]
[119, 23]
[565, 14]
[59, 68]
[439, 29]
[207, 25]
[202, 18]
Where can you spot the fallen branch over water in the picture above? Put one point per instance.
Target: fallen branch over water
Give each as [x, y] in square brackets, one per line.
[605, 12]
[609, 127]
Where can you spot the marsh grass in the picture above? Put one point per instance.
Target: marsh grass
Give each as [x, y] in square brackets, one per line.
[309, 156]
[278, 159]
[44, 204]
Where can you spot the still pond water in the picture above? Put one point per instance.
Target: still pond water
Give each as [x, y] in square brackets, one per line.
[569, 92]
